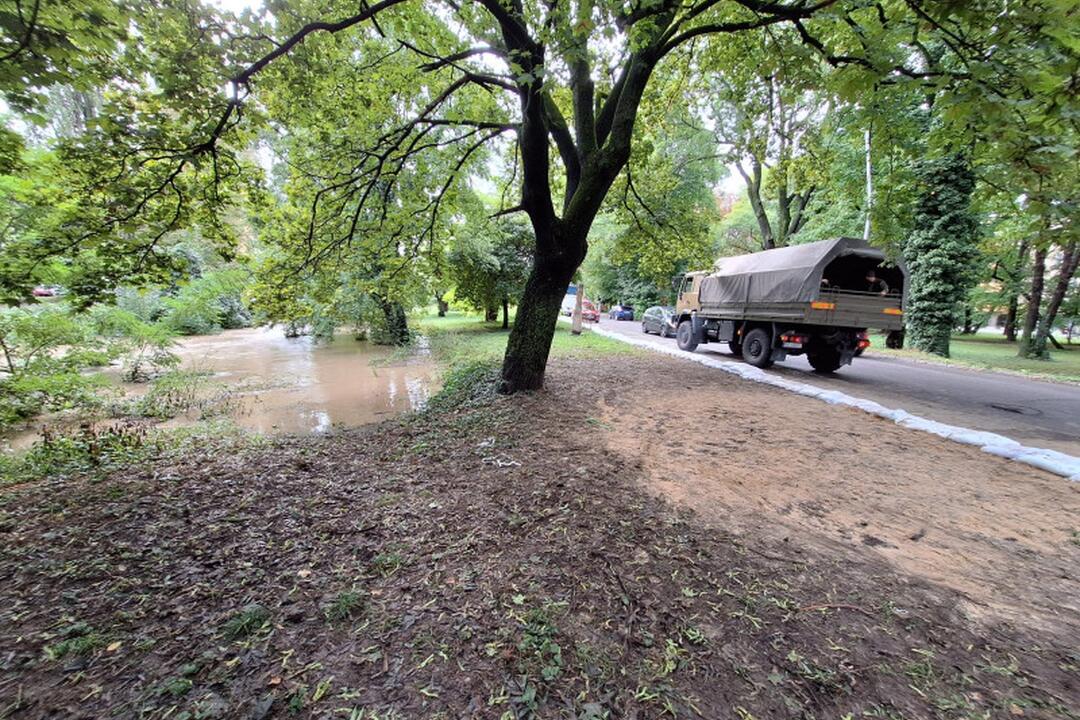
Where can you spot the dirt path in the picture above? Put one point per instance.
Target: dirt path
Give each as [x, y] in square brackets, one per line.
[832, 480]
[515, 557]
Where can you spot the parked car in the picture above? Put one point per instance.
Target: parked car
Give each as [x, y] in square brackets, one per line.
[589, 313]
[660, 320]
[621, 312]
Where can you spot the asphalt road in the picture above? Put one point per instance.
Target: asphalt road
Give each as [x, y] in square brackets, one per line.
[1032, 412]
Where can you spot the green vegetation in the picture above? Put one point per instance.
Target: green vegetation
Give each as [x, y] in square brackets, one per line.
[995, 353]
[462, 338]
[363, 162]
[99, 449]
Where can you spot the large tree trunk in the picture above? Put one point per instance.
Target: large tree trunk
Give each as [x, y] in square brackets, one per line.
[1031, 318]
[538, 311]
[397, 324]
[506, 313]
[1069, 262]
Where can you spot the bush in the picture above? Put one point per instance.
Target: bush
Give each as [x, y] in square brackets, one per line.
[146, 346]
[467, 384]
[147, 305]
[209, 304]
[44, 351]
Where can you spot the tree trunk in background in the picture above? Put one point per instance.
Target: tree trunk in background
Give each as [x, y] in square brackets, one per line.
[506, 313]
[1010, 317]
[1031, 318]
[1069, 260]
[491, 313]
[967, 329]
[443, 305]
[1014, 281]
[397, 324]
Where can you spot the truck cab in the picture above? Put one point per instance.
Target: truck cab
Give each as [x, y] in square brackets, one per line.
[689, 286]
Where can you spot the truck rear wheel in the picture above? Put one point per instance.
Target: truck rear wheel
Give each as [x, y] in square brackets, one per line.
[757, 348]
[684, 336]
[825, 361]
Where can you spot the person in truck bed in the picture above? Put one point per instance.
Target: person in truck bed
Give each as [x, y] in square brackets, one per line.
[876, 284]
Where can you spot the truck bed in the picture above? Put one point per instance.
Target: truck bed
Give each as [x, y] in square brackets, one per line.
[836, 308]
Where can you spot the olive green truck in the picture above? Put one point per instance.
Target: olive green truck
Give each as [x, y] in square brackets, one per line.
[817, 299]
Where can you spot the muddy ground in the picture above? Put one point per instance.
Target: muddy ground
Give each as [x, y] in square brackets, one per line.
[765, 463]
[560, 555]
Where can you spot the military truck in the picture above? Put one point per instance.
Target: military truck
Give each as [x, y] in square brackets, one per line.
[816, 299]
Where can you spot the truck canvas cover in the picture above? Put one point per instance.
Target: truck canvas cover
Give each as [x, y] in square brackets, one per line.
[783, 275]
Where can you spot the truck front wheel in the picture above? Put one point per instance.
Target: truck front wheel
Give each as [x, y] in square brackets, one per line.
[757, 348]
[684, 336]
[824, 361]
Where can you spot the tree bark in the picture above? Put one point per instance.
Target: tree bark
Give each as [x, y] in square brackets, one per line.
[443, 305]
[538, 310]
[397, 323]
[753, 193]
[1031, 318]
[1014, 291]
[1010, 316]
[1069, 261]
[506, 313]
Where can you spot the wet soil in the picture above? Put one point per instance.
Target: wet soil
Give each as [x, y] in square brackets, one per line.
[502, 558]
[838, 481]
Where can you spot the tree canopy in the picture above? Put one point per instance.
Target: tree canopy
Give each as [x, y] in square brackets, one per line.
[377, 122]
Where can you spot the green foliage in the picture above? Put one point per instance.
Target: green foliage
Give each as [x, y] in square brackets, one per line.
[96, 450]
[209, 304]
[490, 262]
[88, 449]
[941, 252]
[144, 346]
[78, 638]
[43, 352]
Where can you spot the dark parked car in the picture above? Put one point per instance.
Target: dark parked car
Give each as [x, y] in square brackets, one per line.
[621, 312]
[660, 320]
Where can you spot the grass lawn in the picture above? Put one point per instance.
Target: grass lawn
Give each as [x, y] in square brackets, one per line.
[995, 353]
[463, 337]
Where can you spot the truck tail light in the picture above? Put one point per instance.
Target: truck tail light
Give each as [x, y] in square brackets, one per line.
[863, 344]
[797, 339]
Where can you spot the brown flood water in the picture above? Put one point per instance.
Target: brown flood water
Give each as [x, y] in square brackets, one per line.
[295, 385]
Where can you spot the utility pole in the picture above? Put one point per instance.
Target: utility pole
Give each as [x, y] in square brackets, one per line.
[869, 186]
[575, 326]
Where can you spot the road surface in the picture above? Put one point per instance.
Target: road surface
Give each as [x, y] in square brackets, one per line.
[1032, 412]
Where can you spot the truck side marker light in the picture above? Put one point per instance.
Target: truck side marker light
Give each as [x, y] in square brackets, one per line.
[823, 305]
[893, 311]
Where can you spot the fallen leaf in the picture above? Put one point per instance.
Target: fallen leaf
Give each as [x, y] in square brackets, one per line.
[304, 573]
[114, 646]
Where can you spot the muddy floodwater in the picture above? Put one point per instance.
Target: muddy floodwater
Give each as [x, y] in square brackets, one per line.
[297, 385]
[275, 384]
